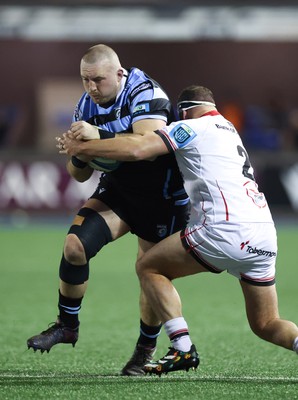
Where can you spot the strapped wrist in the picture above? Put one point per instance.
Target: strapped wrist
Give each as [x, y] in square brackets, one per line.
[106, 134]
[76, 162]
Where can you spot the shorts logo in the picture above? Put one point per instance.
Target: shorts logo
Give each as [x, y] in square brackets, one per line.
[254, 250]
[161, 230]
[182, 133]
[101, 190]
[243, 244]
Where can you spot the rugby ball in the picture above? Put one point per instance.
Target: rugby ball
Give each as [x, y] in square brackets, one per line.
[104, 164]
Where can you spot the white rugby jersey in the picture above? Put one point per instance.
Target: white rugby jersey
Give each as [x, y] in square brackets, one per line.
[216, 169]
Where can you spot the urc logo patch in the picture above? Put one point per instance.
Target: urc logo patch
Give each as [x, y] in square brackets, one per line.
[182, 133]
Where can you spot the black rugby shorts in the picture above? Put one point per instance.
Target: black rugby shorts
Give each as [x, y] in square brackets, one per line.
[150, 217]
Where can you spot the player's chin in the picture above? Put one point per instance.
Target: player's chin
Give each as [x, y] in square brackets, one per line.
[98, 99]
[101, 101]
[95, 100]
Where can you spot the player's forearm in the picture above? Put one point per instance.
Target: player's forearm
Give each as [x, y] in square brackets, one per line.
[120, 148]
[124, 147]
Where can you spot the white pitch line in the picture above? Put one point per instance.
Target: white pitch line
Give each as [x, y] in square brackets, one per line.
[148, 377]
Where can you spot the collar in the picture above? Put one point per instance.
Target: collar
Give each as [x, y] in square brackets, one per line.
[211, 113]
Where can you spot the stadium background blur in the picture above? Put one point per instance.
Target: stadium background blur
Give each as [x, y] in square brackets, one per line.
[247, 53]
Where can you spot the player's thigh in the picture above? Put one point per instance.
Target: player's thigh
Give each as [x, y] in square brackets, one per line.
[117, 226]
[143, 247]
[169, 258]
[261, 304]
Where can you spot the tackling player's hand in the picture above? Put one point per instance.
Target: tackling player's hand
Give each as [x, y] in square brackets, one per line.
[82, 130]
[67, 144]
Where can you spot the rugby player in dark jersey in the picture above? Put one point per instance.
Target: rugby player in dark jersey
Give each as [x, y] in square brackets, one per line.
[145, 198]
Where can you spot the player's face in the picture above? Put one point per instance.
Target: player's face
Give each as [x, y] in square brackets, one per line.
[101, 81]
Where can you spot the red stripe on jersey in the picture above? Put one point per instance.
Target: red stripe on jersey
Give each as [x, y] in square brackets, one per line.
[172, 144]
[246, 183]
[225, 203]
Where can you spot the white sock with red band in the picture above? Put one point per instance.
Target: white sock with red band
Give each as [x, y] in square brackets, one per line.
[177, 330]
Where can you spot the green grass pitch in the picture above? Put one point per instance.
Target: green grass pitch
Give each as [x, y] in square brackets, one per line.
[235, 364]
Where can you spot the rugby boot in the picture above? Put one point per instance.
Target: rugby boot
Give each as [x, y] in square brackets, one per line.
[174, 360]
[141, 356]
[57, 333]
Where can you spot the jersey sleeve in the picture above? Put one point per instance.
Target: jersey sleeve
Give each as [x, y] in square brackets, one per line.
[84, 110]
[149, 101]
[177, 135]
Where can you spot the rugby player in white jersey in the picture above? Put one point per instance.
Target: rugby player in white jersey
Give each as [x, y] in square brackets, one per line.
[230, 228]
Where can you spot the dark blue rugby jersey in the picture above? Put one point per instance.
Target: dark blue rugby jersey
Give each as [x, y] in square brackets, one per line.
[140, 98]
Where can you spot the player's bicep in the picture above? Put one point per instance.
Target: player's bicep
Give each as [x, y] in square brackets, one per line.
[151, 146]
[146, 125]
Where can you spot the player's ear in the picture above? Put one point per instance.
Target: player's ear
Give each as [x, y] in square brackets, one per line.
[120, 73]
[183, 114]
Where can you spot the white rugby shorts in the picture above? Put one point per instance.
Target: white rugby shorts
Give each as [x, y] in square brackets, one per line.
[246, 250]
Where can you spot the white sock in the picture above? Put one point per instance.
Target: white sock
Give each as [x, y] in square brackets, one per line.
[295, 345]
[173, 328]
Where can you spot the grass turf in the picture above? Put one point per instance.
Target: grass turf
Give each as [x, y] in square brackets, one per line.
[235, 364]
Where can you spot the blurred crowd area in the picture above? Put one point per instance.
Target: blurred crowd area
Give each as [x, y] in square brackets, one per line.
[268, 127]
[248, 57]
[245, 52]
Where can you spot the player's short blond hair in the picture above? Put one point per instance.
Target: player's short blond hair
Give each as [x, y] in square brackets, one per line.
[101, 53]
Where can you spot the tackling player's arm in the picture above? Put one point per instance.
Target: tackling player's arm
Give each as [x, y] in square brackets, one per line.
[124, 147]
[142, 144]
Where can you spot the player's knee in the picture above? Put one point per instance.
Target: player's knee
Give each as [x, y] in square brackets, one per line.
[74, 250]
[93, 233]
[259, 328]
[255, 329]
[141, 268]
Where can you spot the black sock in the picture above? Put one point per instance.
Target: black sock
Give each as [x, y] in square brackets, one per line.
[148, 334]
[69, 310]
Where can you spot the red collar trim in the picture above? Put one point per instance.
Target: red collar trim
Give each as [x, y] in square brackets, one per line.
[212, 113]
